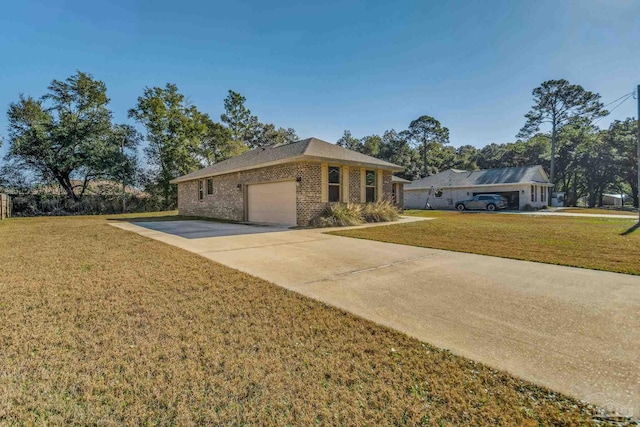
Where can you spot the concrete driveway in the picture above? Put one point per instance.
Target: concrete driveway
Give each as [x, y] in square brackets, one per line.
[573, 330]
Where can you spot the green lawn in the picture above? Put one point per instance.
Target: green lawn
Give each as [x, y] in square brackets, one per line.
[99, 326]
[595, 243]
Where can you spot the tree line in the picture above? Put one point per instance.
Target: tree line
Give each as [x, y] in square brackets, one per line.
[68, 137]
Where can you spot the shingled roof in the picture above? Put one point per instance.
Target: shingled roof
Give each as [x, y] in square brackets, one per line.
[454, 178]
[305, 150]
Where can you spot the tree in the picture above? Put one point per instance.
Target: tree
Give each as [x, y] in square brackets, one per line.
[595, 158]
[175, 132]
[242, 125]
[396, 149]
[264, 134]
[557, 102]
[217, 144]
[466, 158]
[350, 142]
[426, 133]
[66, 134]
[622, 135]
[371, 145]
[124, 164]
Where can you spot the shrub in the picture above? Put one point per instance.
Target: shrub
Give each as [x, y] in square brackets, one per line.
[380, 212]
[339, 215]
[347, 214]
[528, 207]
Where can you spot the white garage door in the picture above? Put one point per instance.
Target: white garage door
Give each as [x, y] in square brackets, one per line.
[273, 203]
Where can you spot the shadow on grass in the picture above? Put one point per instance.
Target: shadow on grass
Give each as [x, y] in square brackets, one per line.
[631, 230]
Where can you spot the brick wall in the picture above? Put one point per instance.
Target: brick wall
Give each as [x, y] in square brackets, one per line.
[386, 186]
[228, 201]
[354, 185]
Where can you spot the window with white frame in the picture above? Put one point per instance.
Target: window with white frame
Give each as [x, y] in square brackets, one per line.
[200, 190]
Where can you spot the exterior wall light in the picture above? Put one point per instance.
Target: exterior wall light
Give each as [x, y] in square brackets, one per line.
[239, 186]
[299, 179]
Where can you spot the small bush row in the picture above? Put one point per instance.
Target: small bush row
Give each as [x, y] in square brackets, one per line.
[348, 214]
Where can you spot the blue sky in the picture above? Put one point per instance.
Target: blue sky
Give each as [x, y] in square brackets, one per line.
[323, 67]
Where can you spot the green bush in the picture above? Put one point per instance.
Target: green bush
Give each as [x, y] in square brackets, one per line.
[379, 212]
[347, 214]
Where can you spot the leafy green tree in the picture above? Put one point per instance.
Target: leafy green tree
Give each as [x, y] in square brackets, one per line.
[124, 165]
[349, 141]
[217, 144]
[427, 134]
[175, 132]
[396, 149]
[466, 158]
[246, 128]
[66, 134]
[371, 145]
[595, 158]
[557, 103]
[242, 125]
[622, 135]
[264, 134]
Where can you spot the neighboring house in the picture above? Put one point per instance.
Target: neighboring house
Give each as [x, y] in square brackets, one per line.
[288, 184]
[527, 185]
[612, 200]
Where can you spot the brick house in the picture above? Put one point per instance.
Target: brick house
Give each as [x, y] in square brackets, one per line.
[288, 184]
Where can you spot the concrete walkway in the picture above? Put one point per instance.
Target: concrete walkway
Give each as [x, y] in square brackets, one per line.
[573, 330]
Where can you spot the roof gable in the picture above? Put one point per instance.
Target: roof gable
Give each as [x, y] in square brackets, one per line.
[307, 149]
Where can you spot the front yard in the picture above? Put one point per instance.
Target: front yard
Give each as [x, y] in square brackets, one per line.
[101, 326]
[595, 243]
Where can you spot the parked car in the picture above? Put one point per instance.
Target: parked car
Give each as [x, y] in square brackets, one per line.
[490, 202]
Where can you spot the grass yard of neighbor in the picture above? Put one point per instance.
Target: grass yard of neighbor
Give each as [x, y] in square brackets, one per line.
[598, 211]
[101, 326]
[594, 243]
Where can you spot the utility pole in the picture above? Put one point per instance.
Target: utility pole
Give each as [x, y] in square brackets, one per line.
[638, 126]
[124, 174]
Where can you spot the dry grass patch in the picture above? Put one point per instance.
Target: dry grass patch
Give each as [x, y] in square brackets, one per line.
[101, 326]
[594, 243]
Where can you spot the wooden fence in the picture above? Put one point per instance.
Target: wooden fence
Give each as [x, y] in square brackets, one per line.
[5, 206]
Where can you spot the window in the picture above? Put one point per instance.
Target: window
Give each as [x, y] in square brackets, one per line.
[370, 184]
[393, 193]
[210, 186]
[542, 191]
[200, 190]
[334, 184]
[533, 193]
